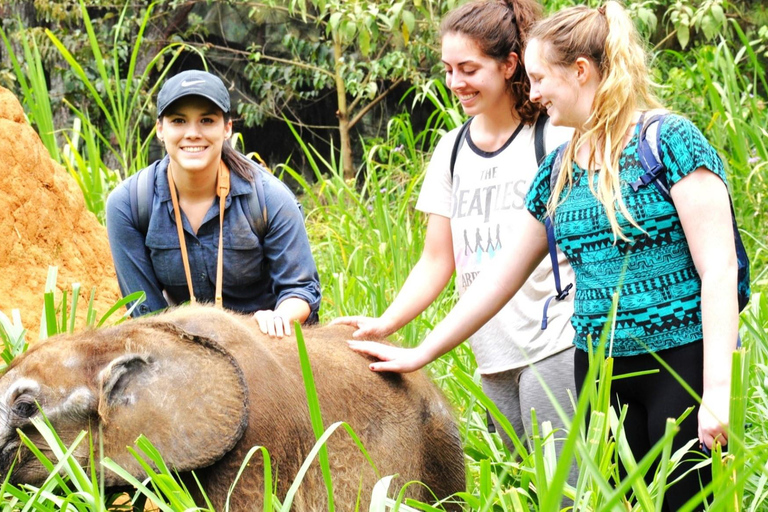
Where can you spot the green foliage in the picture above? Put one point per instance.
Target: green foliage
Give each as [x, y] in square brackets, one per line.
[726, 98]
[58, 317]
[125, 102]
[35, 97]
[361, 50]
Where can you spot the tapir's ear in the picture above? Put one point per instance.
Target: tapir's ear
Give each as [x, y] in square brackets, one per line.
[115, 378]
[185, 393]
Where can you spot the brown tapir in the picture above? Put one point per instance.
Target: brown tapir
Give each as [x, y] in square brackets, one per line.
[205, 386]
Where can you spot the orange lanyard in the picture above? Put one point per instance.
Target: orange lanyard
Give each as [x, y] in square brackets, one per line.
[222, 190]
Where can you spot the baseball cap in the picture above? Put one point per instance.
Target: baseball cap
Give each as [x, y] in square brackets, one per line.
[193, 83]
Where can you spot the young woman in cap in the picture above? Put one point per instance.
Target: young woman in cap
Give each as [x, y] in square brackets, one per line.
[207, 188]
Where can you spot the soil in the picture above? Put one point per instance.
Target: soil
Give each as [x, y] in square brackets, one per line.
[43, 223]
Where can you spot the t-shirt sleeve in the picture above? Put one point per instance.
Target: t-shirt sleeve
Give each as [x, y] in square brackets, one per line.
[683, 149]
[436, 189]
[538, 194]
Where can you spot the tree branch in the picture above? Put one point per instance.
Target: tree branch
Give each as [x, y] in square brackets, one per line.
[374, 102]
[298, 64]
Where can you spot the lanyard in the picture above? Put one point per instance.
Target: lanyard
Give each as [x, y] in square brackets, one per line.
[222, 190]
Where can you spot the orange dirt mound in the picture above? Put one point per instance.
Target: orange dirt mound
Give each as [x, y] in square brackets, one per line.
[44, 223]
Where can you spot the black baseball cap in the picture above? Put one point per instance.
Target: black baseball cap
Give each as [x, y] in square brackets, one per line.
[193, 83]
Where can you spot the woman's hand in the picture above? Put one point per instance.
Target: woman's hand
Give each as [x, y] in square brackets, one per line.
[367, 326]
[713, 416]
[391, 359]
[270, 322]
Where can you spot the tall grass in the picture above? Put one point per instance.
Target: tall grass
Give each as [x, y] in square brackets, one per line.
[726, 87]
[34, 89]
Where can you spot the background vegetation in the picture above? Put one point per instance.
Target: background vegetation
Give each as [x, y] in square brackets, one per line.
[87, 74]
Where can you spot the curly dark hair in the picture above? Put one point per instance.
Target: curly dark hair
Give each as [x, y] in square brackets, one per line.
[499, 28]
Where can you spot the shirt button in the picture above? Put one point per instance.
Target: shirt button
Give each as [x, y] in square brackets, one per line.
[203, 276]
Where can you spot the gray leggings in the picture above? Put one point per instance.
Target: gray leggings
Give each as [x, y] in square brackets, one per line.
[515, 392]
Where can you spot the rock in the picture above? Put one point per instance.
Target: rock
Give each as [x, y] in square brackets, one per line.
[44, 222]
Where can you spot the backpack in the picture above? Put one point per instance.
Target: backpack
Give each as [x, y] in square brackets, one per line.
[538, 140]
[142, 191]
[655, 173]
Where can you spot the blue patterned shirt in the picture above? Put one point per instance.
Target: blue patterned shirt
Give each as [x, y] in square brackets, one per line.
[658, 286]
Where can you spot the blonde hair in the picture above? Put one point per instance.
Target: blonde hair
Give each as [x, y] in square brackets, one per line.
[608, 38]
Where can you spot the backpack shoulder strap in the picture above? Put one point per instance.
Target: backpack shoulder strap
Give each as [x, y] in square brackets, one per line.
[141, 194]
[458, 143]
[648, 152]
[557, 165]
[549, 225]
[650, 159]
[258, 206]
[540, 145]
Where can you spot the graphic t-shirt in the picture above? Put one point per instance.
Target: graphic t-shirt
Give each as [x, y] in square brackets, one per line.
[484, 200]
[659, 289]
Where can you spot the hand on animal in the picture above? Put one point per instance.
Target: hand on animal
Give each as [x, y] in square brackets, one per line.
[270, 322]
[367, 326]
[391, 359]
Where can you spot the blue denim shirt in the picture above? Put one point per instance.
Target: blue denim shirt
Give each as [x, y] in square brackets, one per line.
[255, 277]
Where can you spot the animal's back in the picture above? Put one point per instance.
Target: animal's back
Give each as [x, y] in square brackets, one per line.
[403, 421]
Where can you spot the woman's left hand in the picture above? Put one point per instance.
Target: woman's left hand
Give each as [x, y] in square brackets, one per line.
[272, 323]
[713, 416]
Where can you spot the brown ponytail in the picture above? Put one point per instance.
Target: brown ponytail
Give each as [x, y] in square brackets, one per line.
[235, 160]
[499, 28]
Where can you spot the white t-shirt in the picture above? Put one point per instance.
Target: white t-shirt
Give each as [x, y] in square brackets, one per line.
[484, 201]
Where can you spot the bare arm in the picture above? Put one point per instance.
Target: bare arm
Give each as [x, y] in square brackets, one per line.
[495, 286]
[426, 280]
[701, 199]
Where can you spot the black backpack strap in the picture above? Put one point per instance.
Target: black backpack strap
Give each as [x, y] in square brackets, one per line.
[258, 206]
[562, 293]
[141, 193]
[458, 143]
[538, 138]
[549, 224]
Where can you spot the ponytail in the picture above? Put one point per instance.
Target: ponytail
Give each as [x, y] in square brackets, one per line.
[498, 28]
[237, 162]
[608, 37]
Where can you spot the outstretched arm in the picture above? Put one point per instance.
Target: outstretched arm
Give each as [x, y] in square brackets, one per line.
[495, 286]
[702, 202]
[424, 283]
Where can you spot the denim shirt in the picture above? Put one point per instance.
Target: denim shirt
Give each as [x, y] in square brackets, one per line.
[255, 277]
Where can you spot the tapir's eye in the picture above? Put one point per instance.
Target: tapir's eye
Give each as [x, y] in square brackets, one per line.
[24, 408]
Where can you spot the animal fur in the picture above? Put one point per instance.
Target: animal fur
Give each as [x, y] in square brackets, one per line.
[205, 386]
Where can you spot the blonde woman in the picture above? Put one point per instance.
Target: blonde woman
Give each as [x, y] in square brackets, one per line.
[672, 264]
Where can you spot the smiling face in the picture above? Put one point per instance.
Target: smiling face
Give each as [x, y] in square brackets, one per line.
[479, 81]
[567, 92]
[193, 131]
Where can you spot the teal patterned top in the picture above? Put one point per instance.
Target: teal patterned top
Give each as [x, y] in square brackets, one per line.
[659, 289]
